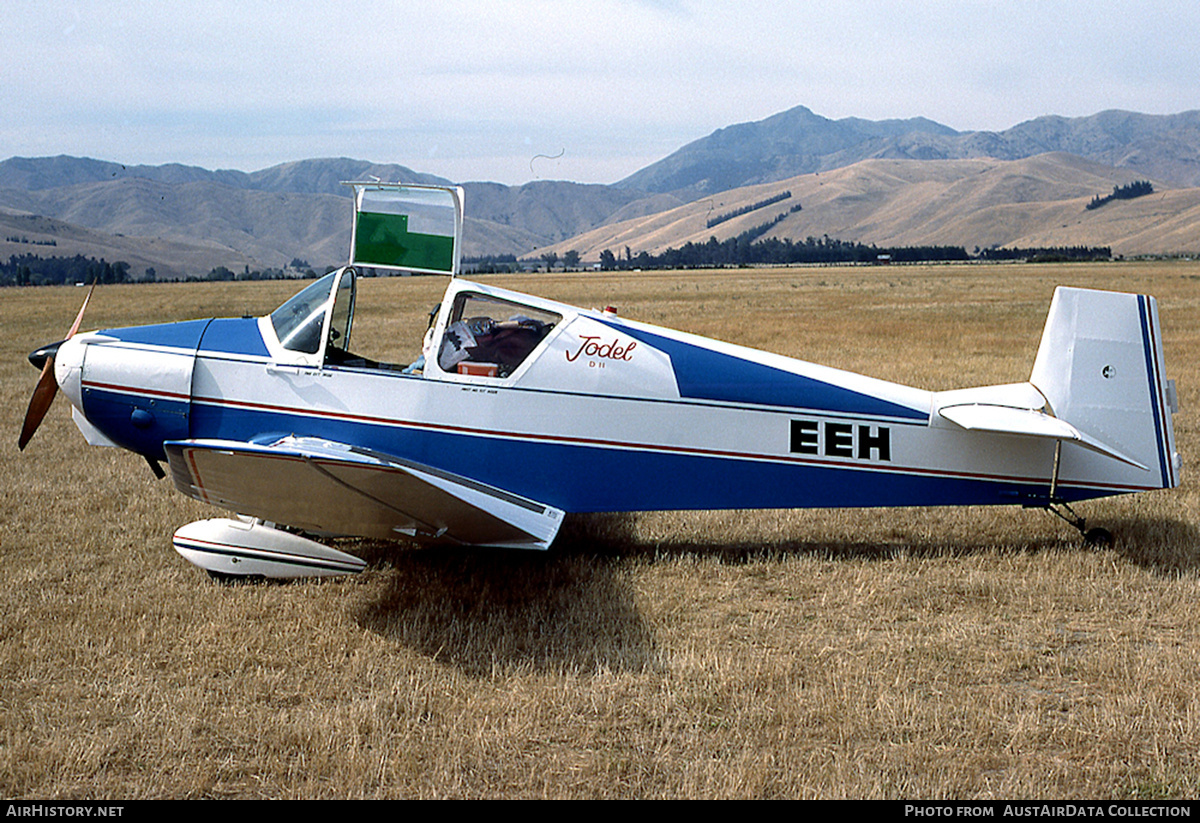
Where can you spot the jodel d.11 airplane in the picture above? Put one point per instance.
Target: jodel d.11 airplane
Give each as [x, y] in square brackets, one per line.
[522, 410]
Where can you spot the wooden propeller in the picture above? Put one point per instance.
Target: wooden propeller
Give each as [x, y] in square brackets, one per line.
[47, 386]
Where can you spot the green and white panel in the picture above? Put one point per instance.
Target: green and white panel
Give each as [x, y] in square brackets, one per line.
[407, 228]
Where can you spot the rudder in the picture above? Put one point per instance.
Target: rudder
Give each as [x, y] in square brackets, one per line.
[1100, 367]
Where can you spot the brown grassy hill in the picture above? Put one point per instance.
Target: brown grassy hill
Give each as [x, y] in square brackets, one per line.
[551, 210]
[304, 215]
[1039, 201]
[22, 233]
[269, 227]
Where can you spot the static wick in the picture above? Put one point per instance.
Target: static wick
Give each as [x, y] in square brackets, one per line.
[547, 156]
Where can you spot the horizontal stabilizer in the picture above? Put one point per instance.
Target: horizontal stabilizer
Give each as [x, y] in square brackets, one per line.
[329, 487]
[1027, 423]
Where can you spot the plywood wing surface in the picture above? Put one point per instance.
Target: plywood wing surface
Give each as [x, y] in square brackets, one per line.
[329, 487]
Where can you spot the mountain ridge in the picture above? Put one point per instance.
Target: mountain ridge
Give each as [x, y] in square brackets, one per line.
[797, 141]
[300, 209]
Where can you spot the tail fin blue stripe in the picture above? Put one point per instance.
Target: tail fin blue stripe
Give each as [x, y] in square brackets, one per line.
[1156, 394]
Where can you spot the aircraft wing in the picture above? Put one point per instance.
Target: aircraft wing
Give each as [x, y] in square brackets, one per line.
[334, 488]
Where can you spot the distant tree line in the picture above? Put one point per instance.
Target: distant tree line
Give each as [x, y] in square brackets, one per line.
[31, 270]
[747, 249]
[1127, 192]
[1049, 254]
[743, 250]
[492, 263]
[293, 272]
[570, 260]
[761, 204]
[20, 238]
[735, 252]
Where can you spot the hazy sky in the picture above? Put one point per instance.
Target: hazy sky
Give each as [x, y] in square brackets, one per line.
[477, 90]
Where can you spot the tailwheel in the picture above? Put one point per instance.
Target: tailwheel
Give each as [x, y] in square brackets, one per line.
[1096, 537]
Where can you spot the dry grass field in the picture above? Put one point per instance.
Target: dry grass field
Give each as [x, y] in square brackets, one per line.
[936, 653]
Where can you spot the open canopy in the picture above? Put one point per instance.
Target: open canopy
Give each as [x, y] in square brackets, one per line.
[407, 227]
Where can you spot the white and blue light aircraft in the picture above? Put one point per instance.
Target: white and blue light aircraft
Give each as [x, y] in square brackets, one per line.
[522, 410]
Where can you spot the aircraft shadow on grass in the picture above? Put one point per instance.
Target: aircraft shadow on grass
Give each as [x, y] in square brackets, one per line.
[480, 611]
[574, 609]
[1164, 545]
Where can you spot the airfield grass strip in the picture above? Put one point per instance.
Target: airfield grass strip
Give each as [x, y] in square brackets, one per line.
[931, 653]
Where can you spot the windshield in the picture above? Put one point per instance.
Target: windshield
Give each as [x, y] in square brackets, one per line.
[343, 312]
[299, 321]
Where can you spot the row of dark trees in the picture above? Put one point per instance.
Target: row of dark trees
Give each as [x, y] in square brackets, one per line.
[740, 251]
[20, 238]
[505, 263]
[747, 249]
[31, 270]
[773, 251]
[761, 204]
[1129, 191]
[492, 264]
[294, 272]
[1049, 254]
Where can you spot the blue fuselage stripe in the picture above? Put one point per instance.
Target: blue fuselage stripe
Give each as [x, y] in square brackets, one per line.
[583, 477]
[161, 419]
[705, 374]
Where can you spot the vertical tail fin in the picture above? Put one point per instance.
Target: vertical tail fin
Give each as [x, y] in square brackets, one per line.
[1100, 367]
